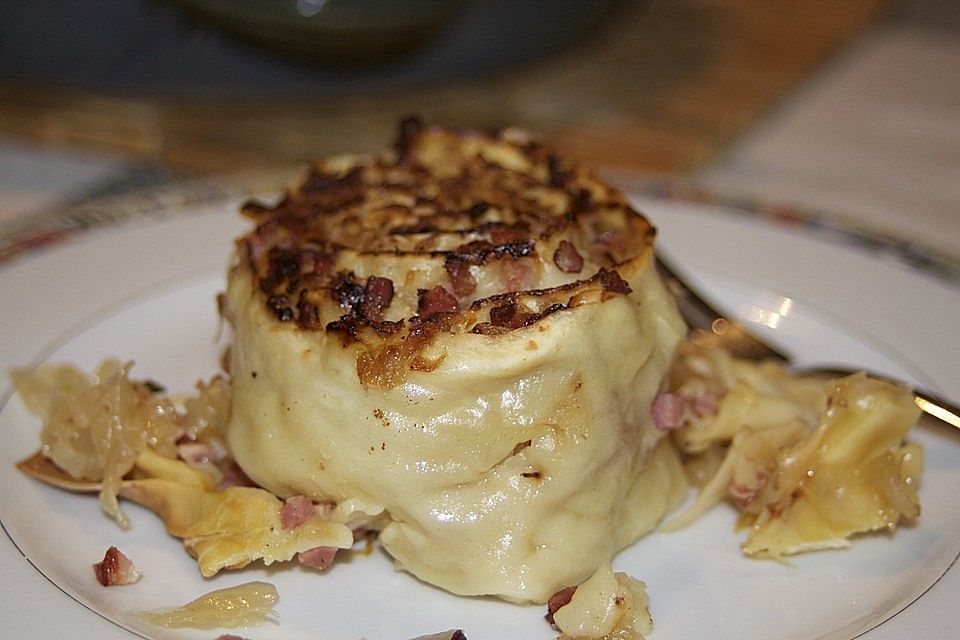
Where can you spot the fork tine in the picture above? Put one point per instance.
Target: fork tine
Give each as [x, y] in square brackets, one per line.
[711, 327]
[927, 401]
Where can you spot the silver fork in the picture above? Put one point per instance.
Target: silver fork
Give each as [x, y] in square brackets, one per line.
[715, 329]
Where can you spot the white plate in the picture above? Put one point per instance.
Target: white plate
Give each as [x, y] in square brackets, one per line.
[146, 292]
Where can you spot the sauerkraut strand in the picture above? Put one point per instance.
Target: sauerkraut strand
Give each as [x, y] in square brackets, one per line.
[95, 426]
[807, 462]
[245, 605]
[607, 606]
[232, 527]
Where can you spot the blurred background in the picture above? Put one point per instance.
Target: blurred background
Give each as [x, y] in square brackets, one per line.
[851, 106]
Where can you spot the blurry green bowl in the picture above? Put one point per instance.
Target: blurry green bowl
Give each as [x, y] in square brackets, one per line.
[346, 32]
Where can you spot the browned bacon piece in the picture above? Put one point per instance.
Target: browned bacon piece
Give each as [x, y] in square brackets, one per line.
[319, 558]
[115, 569]
[567, 258]
[296, 510]
[559, 599]
[437, 300]
[667, 410]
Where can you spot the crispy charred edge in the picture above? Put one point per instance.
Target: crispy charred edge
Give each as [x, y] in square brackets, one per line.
[288, 291]
[322, 191]
[386, 364]
[289, 301]
[505, 312]
[385, 357]
[609, 279]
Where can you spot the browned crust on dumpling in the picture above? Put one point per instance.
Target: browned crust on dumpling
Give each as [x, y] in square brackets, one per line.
[450, 231]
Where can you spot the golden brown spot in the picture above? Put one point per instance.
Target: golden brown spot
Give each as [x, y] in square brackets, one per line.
[520, 447]
[386, 364]
[436, 199]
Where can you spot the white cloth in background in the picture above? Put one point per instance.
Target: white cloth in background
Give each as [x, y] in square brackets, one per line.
[33, 178]
[873, 136]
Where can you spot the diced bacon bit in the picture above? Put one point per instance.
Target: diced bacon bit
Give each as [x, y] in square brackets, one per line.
[515, 275]
[377, 296]
[509, 315]
[296, 510]
[316, 269]
[667, 410]
[505, 234]
[436, 300]
[460, 277]
[234, 476]
[612, 281]
[704, 403]
[319, 558]
[559, 599]
[567, 258]
[308, 314]
[310, 261]
[115, 569]
[743, 494]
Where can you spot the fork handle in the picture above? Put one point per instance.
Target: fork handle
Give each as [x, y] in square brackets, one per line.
[937, 407]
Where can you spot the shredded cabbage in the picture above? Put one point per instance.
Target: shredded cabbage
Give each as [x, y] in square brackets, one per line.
[807, 462]
[95, 426]
[245, 605]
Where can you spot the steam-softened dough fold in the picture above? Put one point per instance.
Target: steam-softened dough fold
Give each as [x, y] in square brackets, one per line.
[470, 506]
[464, 335]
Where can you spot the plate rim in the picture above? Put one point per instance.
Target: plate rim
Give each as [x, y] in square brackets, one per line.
[159, 207]
[37, 231]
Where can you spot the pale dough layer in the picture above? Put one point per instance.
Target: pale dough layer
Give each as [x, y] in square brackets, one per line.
[469, 505]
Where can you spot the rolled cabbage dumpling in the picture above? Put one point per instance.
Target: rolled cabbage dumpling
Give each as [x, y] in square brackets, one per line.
[462, 337]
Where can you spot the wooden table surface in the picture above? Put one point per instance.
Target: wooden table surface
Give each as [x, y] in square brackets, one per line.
[662, 87]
